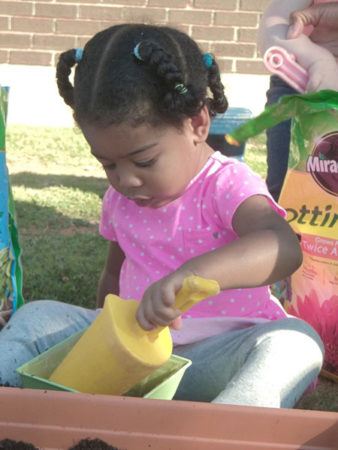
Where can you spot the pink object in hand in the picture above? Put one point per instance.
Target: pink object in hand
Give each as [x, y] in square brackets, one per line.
[278, 61]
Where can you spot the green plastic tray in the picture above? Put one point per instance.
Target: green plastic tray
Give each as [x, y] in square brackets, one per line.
[161, 384]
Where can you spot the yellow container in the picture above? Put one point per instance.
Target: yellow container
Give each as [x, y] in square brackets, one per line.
[115, 353]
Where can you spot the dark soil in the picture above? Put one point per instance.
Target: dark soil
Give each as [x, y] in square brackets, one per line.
[84, 444]
[8, 444]
[92, 444]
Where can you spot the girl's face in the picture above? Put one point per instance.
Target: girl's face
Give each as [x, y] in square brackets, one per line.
[151, 165]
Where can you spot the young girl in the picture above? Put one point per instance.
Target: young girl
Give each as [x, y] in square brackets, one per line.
[175, 208]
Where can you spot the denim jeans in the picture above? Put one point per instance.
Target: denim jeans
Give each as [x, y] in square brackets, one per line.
[278, 139]
[269, 364]
[33, 329]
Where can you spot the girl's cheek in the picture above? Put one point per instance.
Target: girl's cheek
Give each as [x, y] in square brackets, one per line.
[111, 177]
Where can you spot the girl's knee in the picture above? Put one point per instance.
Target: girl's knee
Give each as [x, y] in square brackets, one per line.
[300, 327]
[36, 309]
[35, 306]
[303, 342]
[294, 342]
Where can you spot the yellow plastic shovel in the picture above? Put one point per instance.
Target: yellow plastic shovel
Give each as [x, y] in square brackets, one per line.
[115, 353]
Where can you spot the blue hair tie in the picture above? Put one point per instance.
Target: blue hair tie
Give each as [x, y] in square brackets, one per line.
[78, 54]
[208, 60]
[136, 52]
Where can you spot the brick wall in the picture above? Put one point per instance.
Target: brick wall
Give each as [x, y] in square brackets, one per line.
[33, 32]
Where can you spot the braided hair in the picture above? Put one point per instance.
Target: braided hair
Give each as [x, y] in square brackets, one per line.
[139, 74]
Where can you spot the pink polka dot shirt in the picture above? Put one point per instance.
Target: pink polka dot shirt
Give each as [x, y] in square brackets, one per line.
[158, 241]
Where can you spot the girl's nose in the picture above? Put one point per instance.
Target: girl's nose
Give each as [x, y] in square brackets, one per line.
[127, 179]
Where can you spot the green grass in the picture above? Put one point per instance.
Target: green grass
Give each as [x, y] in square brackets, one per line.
[58, 187]
[255, 154]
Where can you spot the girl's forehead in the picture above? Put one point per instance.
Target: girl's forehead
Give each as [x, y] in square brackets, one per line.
[129, 132]
[126, 139]
[122, 129]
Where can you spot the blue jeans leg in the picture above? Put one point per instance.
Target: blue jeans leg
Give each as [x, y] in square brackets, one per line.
[269, 364]
[278, 139]
[34, 328]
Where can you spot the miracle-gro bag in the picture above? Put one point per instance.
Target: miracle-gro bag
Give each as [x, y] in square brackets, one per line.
[310, 197]
[10, 266]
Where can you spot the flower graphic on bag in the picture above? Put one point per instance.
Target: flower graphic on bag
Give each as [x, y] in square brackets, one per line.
[323, 317]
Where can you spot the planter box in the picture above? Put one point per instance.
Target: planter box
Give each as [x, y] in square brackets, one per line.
[57, 420]
[161, 384]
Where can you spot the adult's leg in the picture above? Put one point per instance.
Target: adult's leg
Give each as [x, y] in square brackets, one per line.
[34, 328]
[269, 364]
[278, 139]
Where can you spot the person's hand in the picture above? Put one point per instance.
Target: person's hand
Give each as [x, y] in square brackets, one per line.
[4, 317]
[324, 20]
[320, 79]
[157, 307]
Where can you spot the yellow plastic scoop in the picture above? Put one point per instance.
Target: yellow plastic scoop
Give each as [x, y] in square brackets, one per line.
[115, 353]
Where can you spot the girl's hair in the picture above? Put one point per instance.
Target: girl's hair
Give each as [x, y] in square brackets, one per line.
[165, 79]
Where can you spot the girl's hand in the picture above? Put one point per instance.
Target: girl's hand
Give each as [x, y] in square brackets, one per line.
[4, 317]
[157, 307]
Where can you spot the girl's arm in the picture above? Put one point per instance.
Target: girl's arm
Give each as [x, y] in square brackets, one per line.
[109, 280]
[4, 317]
[315, 59]
[267, 249]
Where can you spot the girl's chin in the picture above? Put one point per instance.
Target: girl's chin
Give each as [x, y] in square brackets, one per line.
[143, 201]
[153, 202]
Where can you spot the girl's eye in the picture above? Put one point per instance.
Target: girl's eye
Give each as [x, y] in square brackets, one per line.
[148, 163]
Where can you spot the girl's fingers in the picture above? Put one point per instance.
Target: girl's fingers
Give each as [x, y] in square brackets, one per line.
[157, 307]
[176, 324]
[144, 313]
[166, 295]
[149, 321]
[143, 321]
[4, 317]
[166, 315]
[150, 314]
[6, 314]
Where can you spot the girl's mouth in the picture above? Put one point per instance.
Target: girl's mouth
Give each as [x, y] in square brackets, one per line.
[148, 201]
[142, 201]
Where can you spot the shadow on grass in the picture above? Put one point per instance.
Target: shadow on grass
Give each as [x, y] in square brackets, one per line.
[34, 219]
[323, 398]
[65, 268]
[40, 181]
[62, 257]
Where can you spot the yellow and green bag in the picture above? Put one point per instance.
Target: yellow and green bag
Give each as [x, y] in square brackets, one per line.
[310, 197]
[10, 265]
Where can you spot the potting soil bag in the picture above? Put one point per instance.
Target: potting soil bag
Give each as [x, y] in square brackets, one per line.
[309, 196]
[10, 266]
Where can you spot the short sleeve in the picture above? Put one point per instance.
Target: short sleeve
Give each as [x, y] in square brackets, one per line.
[106, 226]
[235, 183]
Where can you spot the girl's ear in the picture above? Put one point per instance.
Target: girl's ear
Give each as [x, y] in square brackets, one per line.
[200, 125]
